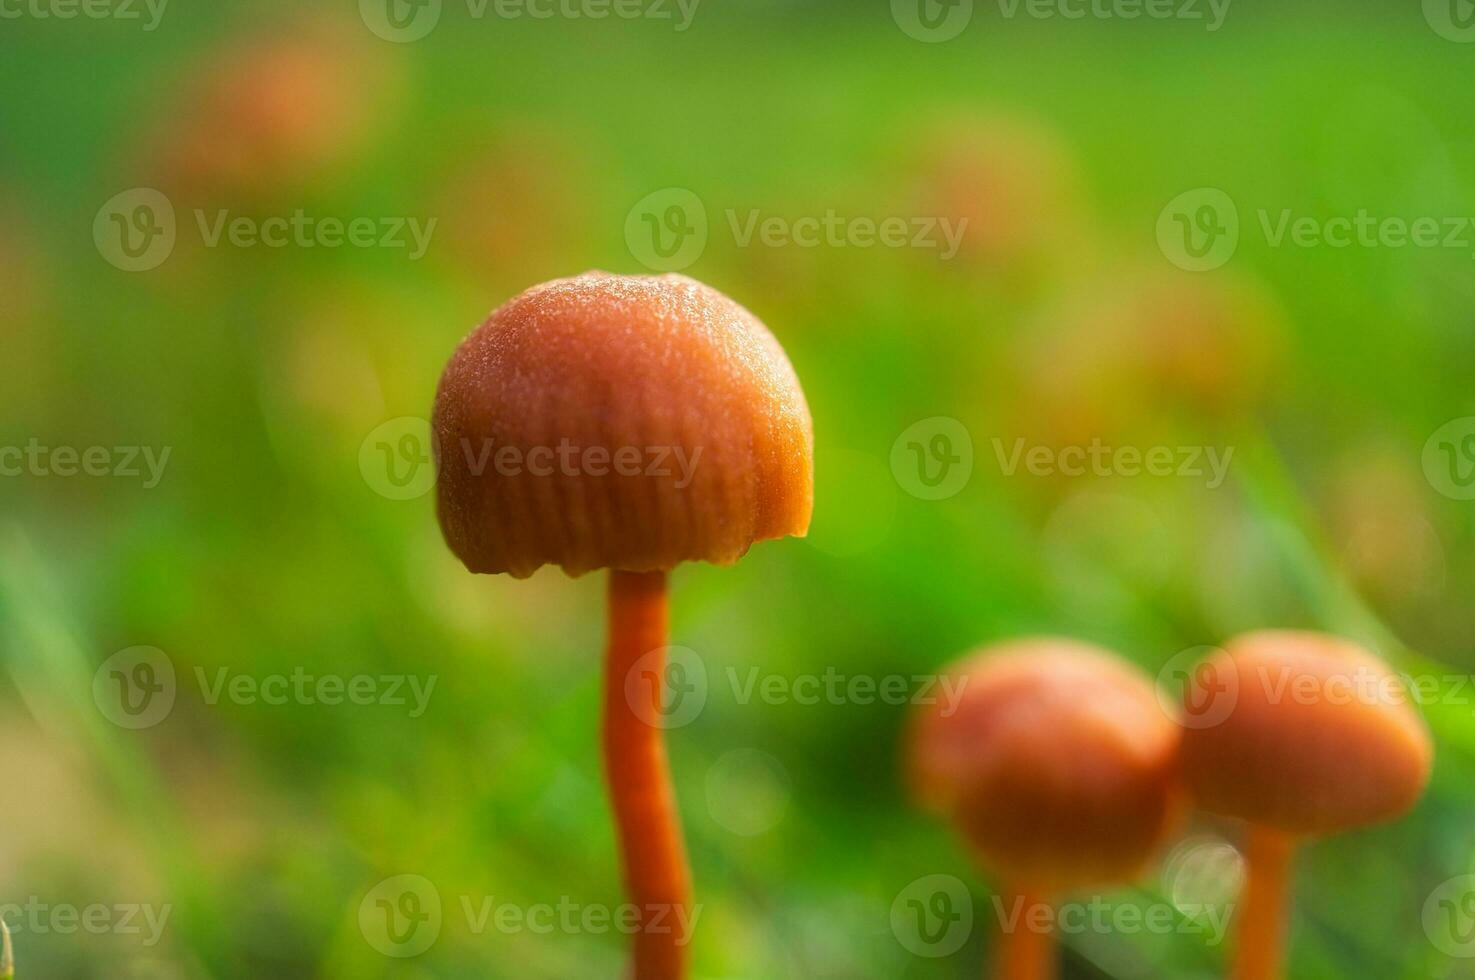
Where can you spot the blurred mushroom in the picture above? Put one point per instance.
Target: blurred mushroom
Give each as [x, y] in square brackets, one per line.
[512, 208]
[1317, 737]
[1376, 507]
[1141, 349]
[617, 368]
[266, 114]
[1058, 767]
[1012, 182]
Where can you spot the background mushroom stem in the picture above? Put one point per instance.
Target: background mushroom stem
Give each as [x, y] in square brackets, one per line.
[1260, 950]
[657, 877]
[1027, 949]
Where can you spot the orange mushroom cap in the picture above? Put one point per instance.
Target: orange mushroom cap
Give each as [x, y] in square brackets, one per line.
[627, 422]
[1319, 735]
[1058, 764]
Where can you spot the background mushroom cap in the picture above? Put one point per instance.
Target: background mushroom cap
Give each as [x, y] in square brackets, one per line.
[1320, 737]
[630, 422]
[1058, 764]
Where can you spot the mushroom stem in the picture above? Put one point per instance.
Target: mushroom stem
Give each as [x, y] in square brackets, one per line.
[1260, 950]
[657, 878]
[1027, 949]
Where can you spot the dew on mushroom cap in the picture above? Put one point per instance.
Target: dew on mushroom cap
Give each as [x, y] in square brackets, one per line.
[687, 438]
[663, 370]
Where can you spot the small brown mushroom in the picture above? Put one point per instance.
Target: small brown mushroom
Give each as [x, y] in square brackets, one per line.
[629, 423]
[1058, 767]
[267, 114]
[1301, 734]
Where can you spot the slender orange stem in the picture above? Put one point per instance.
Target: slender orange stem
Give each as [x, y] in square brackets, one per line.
[1261, 931]
[1027, 948]
[657, 877]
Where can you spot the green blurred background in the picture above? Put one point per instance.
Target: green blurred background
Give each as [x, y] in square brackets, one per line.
[267, 548]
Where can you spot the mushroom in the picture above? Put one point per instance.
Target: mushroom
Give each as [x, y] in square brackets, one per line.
[266, 114]
[629, 423]
[1058, 767]
[1299, 734]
